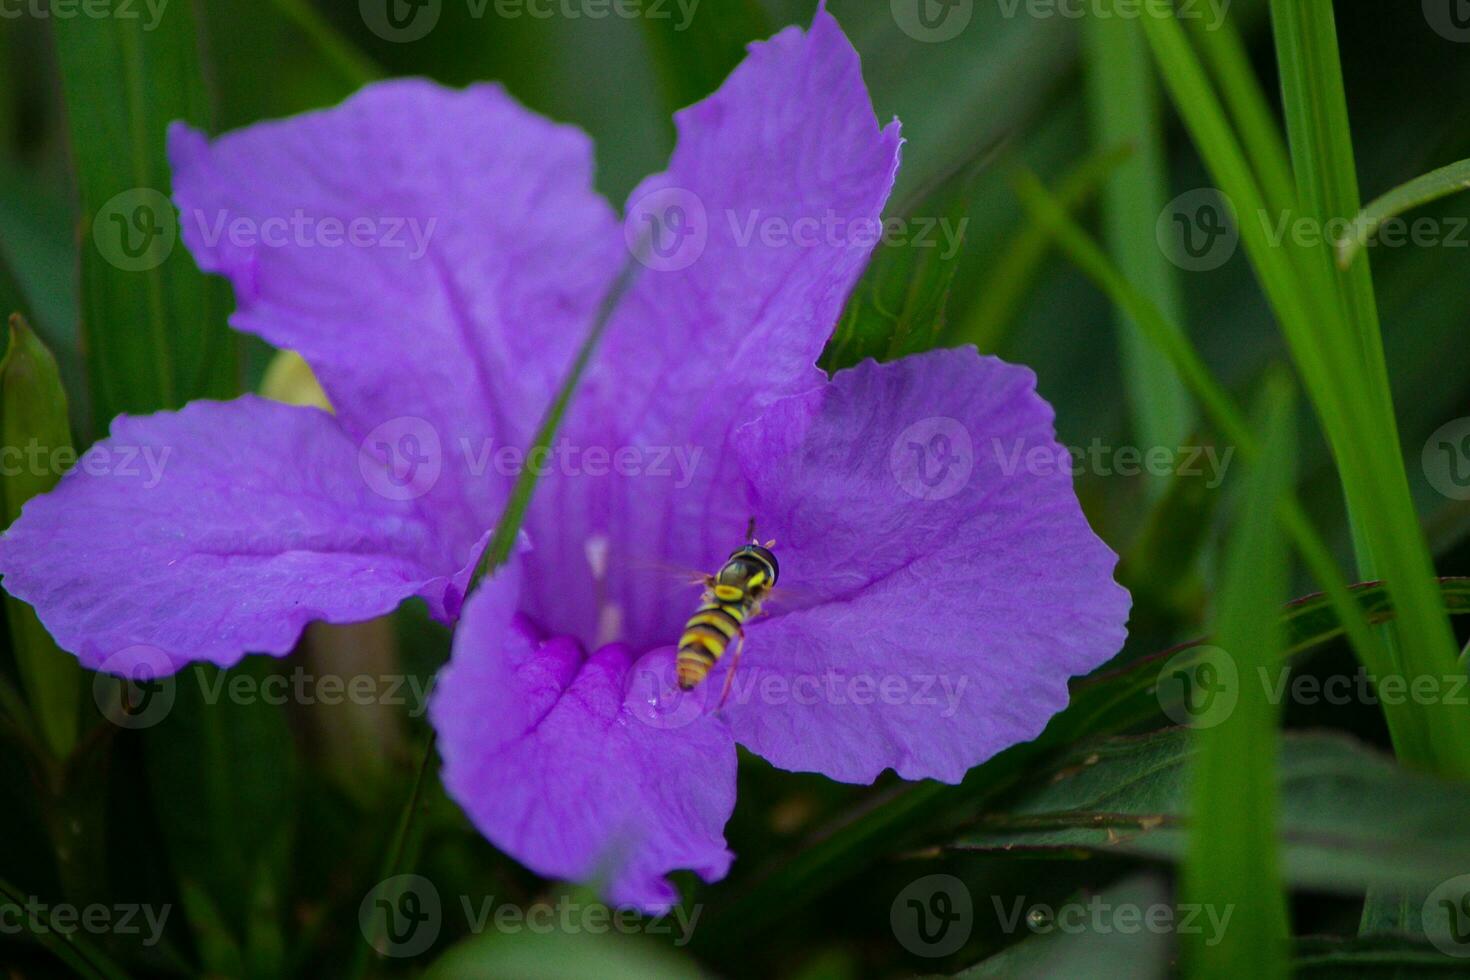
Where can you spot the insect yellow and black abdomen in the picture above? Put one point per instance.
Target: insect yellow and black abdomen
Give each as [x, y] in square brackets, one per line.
[706, 637]
[732, 597]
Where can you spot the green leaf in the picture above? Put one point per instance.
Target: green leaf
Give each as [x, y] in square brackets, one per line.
[1160, 566]
[1138, 953]
[1118, 699]
[1017, 265]
[346, 60]
[222, 771]
[1350, 817]
[1421, 190]
[693, 55]
[571, 956]
[1327, 326]
[403, 846]
[1231, 858]
[38, 275]
[1221, 408]
[69, 944]
[1113, 700]
[219, 950]
[34, 431]
[154, 326]
[1413, 726]
[1385, 959]
[899, 305]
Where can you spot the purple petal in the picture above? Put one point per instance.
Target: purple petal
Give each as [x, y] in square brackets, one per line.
[942, 581]
[453, 310]
[778, 182]
[559, 760]
[219, 530]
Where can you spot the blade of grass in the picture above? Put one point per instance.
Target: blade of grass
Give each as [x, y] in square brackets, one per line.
[1217, 403]
[1326, 182]
[1421, 190]
[1320, 133]
[154, 326]
[1332, 364]
[693, 57]
[71, 948]
[900, 306]
[1232, 856]
[34, 427]
[1322, 156]
[1014, 273]
[1132, 795]
[1326, 172]
[509, 525]
[1107, 703]
[353, 65]
[155, 337]
[1125, 110]
[404, 844]
[1225, 55]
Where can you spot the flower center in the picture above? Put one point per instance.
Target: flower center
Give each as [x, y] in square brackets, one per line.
[609, 614]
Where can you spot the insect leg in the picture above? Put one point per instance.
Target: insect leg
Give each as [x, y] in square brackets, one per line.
[730, 674]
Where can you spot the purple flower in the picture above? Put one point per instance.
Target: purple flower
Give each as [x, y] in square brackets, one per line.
[437, 257]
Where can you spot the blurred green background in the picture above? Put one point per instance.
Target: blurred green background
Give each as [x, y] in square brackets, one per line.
[264, 835]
